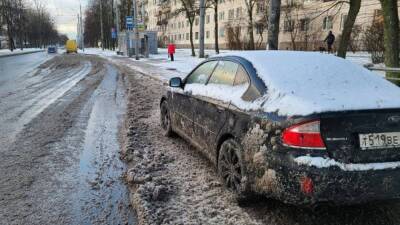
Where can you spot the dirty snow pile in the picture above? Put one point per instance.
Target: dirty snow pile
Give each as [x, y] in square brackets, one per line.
[302, 83]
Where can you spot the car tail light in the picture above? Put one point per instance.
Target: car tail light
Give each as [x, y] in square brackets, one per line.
[304, 135]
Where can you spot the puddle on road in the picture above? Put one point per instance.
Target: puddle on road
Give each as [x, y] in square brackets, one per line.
[102, 196]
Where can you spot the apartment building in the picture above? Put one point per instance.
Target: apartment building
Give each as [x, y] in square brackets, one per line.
[304, 23]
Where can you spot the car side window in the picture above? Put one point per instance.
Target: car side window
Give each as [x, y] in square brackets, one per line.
[202, 73]
[224, 73]
[241, 77]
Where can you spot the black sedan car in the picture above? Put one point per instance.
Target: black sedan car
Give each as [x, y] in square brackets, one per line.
[304, 128]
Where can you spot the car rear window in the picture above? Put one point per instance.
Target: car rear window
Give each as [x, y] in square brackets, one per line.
[202, 73]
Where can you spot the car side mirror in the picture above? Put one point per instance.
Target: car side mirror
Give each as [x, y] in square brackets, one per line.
[176, 82]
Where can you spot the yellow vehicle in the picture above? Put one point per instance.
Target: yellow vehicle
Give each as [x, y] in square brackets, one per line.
[71, 46]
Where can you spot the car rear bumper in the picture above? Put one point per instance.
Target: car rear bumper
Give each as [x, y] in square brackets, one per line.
[308, 185]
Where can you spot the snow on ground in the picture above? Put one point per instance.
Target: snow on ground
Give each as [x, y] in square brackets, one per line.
[4, 52]
[98, 51]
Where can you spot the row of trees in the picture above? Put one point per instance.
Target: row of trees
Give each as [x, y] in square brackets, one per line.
[100, 18]
[26, 25]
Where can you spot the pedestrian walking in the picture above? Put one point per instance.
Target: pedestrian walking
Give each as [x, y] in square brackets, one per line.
[171, 51]
[330, 39]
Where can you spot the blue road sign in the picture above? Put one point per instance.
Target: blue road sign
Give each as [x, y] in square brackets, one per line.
[113, 33]
[129, 22]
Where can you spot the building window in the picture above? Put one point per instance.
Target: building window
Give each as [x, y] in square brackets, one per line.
[221, 32]
[231, 14]
[304, 24]
[196, 35]
[207, 34]
[208, 19]
[238, 12]
[196, 21]
[187, 23]
[327, 23]
[288, 25]
[221, 16]
[187, 36]
[343, 19]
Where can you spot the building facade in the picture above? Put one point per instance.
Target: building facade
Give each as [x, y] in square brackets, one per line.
[304, 24]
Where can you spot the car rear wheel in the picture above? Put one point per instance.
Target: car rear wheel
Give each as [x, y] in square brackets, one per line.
[231, 168]
[165, 120]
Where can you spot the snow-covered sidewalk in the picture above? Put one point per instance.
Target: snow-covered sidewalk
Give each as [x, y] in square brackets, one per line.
[159, 65]
[7, 52]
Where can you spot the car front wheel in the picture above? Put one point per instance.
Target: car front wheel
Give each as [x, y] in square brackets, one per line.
[165, 120]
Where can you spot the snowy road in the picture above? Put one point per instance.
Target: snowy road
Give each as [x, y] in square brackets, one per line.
[59, 119]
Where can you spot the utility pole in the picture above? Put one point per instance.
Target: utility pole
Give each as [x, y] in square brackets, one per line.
[117, 23]
[82, 34]
[135, 25]
[78, 30]
[202, 17]
[101, 25]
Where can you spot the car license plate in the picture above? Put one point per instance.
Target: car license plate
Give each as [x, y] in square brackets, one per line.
[379, 140]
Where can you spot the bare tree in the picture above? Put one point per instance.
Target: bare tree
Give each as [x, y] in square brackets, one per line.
[292, 21]
[250, 24]
[190, 9]
[391, 35]
[348, 27]
[214, 4]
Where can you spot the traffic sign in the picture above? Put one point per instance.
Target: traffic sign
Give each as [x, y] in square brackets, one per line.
[113, 33]
[129, 23]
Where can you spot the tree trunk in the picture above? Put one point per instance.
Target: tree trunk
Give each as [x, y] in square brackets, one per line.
[201, 33]
[191, 38]
[391, 36]
[216, 26]
[273, 24]
[250, 29]
[348, 27]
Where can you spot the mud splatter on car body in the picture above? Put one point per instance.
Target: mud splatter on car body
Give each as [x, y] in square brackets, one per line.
[264, 164]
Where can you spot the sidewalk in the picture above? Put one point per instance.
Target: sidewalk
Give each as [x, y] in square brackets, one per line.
[161, 67]
[8, 53]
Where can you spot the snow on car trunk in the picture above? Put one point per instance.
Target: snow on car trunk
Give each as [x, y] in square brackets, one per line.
[302, 83]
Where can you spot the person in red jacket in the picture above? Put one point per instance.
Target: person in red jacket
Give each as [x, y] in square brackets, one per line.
[171, 51]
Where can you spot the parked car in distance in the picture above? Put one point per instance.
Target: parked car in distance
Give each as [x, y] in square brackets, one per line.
[51, 49]
[71, 46]
[301, 127]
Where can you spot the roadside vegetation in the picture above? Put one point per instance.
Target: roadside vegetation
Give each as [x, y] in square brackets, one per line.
[28, 25]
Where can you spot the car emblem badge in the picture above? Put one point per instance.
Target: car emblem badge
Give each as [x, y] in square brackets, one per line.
[393, 119]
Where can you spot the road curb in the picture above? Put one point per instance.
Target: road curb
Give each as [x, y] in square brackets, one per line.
[21, 53]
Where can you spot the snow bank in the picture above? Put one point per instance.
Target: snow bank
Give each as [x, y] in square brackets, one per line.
[98, 51]
[302, 83]
[320, 162]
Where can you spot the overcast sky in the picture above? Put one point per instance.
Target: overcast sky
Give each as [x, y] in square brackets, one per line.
[64, 13]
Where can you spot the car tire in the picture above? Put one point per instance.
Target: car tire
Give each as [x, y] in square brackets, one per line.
[165, 120]
[231, 169]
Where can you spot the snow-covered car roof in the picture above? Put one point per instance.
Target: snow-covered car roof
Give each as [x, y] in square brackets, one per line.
[302, 83]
